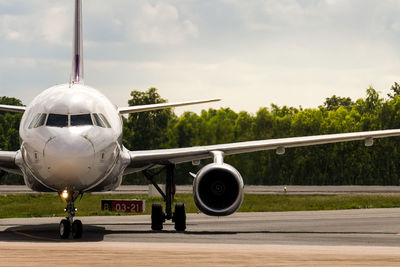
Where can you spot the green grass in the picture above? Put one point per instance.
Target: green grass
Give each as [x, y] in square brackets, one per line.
[47, 205]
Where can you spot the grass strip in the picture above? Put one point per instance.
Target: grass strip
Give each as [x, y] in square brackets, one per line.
[48, 205]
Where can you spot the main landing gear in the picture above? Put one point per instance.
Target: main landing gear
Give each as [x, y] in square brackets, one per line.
[158, 217]
[68, 225]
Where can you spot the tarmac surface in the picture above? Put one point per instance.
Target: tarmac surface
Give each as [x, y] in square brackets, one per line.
[307, 238]
[372, 227]
[369, 237]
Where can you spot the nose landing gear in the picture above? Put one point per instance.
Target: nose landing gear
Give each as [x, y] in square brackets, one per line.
[68, 225]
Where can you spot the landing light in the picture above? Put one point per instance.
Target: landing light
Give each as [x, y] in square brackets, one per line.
[65, 194]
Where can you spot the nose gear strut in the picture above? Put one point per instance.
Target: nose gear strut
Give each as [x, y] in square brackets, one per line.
[68, 225]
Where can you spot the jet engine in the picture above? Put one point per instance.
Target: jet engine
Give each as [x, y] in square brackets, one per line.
[218, 189]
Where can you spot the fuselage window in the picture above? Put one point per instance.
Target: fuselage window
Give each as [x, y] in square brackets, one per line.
[41, 120]
[81, 119]
[105, 120]
[57, 120]
[97, 121]
[33, 122]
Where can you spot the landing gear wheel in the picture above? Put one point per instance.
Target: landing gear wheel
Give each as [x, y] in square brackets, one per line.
[65, 229]
[77, 229]
[180, 217]
[157, 217]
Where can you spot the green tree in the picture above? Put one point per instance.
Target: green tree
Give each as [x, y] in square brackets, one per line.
[396, 90]
[147, 130]
[9, 136]
[339, 163]
[334, 102]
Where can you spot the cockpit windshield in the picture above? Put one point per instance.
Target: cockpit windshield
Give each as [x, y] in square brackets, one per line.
[81, 119]
[66, 120]
[57, 120]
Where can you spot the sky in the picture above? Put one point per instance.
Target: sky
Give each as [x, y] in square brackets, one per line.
[249, 53]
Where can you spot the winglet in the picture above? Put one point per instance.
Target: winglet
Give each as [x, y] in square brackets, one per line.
[141, 108]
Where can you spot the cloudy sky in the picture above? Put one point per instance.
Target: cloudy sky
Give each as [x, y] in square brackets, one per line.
[249, 53]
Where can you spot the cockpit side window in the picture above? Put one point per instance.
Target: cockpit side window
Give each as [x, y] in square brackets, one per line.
[81, 119]
[33, 122]
[41, 120]
[97, 121]
[57, 120]
[105, 120]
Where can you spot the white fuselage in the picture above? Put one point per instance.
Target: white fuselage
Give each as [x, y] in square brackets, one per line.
[71, 139]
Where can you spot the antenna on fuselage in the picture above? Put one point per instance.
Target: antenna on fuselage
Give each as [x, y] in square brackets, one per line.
[77, 56]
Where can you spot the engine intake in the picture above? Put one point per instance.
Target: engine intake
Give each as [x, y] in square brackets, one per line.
[218, 189]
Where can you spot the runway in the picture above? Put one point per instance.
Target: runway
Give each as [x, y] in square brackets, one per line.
[300, 238]
[372, 227]
[368, 237]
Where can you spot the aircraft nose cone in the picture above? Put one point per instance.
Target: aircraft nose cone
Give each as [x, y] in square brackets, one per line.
[68, 159]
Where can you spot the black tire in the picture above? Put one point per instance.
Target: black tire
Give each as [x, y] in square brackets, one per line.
[180, 217]
[157, 217]
[77, 229]
[64, 229]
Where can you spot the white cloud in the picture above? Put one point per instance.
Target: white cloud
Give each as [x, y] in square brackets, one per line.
[56, 33]
[10, 28]
[190, 29]
[332, 2]
[32, 63]
[250, 53]
[161, 23]
[51, 25]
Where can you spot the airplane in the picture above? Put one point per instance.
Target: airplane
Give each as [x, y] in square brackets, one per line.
[71, 143]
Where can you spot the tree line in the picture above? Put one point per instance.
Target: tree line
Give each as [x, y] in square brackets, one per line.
[332, 164]
[9, 136]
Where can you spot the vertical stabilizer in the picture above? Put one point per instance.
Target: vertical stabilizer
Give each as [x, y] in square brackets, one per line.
[77, 60]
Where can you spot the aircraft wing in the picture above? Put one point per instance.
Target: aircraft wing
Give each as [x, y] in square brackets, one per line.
[181, 155]
[7, 162]
[12, 108]
[141, 108]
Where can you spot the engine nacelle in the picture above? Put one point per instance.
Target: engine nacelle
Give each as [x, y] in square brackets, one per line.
[218, 189]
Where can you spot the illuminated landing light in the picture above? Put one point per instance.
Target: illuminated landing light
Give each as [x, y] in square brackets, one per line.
[65, 194]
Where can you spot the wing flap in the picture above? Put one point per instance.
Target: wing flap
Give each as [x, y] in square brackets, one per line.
[181, 155]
